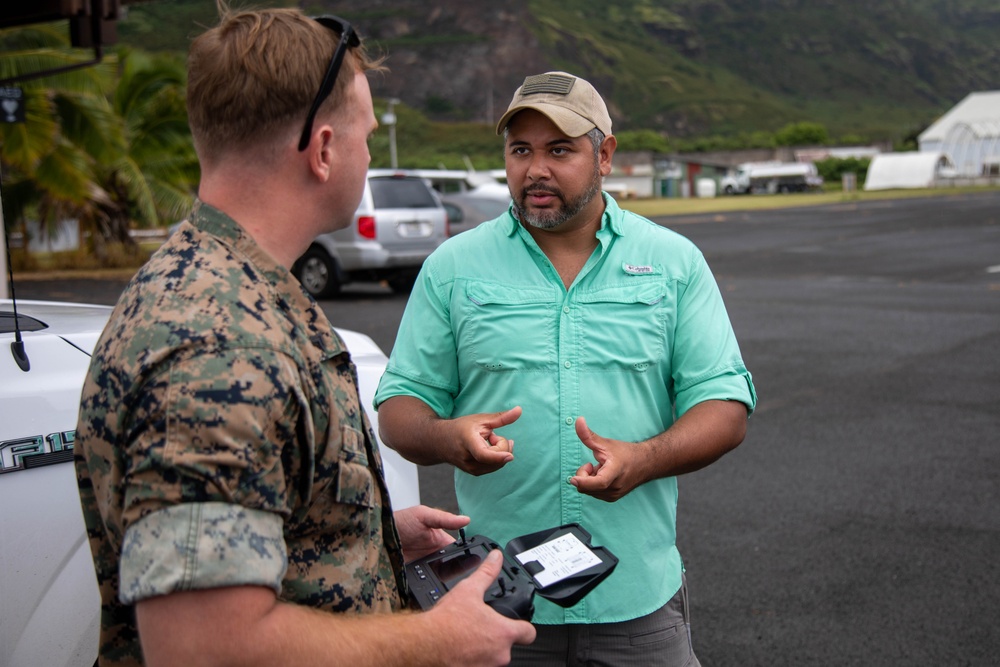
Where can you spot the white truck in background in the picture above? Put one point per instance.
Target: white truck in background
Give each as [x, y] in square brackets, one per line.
[49, 602]
[771, 178]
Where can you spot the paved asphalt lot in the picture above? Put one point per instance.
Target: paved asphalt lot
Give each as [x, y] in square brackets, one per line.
[859, 523]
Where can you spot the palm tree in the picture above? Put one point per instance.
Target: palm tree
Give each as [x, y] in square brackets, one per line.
[152, 180]
[107, 145]
[49, 160]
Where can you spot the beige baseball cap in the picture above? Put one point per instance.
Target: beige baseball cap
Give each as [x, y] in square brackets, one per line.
[568, 101]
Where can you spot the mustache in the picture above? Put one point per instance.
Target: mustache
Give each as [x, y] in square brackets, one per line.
[532, 189]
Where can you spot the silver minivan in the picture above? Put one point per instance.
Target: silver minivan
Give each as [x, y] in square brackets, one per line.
[399, 222]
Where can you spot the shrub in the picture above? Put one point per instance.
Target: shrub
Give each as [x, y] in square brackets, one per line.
[832, 169]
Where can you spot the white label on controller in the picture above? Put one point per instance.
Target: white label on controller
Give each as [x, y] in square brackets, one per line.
[562, 557]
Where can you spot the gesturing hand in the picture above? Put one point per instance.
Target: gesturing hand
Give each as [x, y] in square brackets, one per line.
[618, 468]
[482, 450]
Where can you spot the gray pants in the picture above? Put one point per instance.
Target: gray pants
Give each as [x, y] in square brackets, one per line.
[661, 639]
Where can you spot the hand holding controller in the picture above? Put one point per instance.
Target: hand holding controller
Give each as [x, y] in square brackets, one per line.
[431, 577]
[560, 564]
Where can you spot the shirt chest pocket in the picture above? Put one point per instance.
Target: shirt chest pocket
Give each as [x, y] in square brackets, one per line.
[341, 472]
[623, 328]
[508, 329]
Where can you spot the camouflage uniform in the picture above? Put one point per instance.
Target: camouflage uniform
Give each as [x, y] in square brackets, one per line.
[222, 442]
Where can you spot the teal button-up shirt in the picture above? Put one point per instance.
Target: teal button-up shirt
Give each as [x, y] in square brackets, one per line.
[640, 337]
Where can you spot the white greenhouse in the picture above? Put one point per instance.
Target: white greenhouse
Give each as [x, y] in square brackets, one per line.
[889, 171]
[969, 134]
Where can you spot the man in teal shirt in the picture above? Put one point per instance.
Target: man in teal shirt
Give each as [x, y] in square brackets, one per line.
[598, 342]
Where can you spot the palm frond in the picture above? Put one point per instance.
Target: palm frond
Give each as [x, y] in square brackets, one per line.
[34, 36]
[93, 79]
[90, 122]
[136, 185]
[65, 173]
[23, 144]
[172, 202]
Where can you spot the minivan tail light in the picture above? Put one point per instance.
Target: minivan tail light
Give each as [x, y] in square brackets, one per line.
[366, 226]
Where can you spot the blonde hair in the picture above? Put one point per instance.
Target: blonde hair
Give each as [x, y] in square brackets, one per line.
[253, 76]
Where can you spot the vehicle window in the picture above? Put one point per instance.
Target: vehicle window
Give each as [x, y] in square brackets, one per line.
[491, 208]
[24, 323]
[454, 212]
[401, 193]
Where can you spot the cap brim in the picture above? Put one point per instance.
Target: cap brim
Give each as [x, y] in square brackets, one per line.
[569, 122]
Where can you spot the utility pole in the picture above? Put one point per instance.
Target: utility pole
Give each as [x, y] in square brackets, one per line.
[389, 120]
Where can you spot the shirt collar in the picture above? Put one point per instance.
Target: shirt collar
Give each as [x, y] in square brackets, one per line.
[288, 292]
[611, 221]
[213, 221]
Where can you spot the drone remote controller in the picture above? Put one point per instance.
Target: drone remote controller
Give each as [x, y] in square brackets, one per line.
[560, 564]
[432, 576]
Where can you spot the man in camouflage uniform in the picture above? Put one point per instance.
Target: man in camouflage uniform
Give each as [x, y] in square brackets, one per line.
[230, 481]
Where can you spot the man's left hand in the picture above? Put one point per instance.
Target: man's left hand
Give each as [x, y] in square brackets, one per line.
[617, 471]
[422, 529]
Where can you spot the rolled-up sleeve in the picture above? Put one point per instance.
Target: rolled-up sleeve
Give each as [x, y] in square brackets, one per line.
[201, 545]
[707, 364]
[423, 362]
[206, 488]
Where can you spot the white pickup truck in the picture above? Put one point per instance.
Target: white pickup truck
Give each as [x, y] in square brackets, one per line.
[49, 604]
[771, 178]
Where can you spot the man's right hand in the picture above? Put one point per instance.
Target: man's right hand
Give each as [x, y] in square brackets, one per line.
[480, 449]
[482, 635]
[249, 626]
[470, 443]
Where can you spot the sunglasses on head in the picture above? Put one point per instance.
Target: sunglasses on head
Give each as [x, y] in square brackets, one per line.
[348, 38]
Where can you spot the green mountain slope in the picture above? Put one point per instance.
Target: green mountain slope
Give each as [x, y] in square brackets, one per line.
[694, 67]
[685, 68]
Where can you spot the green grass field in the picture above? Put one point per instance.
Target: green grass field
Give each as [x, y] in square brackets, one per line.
[652, 208]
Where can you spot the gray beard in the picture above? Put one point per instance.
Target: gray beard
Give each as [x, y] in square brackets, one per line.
[554, 218]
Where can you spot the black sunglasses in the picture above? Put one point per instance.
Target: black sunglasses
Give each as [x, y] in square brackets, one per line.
[348, 38]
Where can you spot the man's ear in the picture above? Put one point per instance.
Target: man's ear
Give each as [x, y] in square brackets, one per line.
[322, 153]
[606, 152]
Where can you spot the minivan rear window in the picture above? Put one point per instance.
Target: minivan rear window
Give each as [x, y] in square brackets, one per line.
[401, 193]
